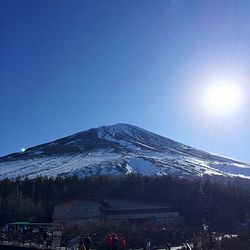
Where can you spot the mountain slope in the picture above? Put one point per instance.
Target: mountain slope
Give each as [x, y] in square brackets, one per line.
[117, 149]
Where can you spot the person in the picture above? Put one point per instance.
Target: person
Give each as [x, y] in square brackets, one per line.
[115, 242]
[168, 246]
[109, 242]
[122, 243]
[81, 245]
[148, 245]
[87, 241]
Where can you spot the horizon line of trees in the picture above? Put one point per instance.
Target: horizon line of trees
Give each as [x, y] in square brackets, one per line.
[217, 202]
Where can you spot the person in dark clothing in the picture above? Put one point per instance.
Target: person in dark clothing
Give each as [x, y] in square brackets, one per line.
[148, 245]
[168, 246]
[81, 245]
[87, 242]
[115, 242]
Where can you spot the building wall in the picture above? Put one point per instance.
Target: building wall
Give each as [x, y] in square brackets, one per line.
[77, 211]
[81, 211]
[160, 216]
[126, 204]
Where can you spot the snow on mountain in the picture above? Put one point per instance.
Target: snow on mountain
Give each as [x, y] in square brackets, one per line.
[115, 150]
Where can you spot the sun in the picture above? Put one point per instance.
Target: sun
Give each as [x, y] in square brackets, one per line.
[223, 97]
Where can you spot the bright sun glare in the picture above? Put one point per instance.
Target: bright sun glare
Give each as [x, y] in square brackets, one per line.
[223, 98]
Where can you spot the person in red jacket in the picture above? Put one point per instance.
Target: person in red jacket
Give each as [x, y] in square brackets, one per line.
[109, 242]
[122, 243]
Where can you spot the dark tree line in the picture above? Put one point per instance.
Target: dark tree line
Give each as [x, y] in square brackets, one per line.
[219, 203]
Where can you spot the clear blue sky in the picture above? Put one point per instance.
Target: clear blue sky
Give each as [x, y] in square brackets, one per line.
[66, 66]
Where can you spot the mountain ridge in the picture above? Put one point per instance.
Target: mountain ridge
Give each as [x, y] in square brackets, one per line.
[117, 149]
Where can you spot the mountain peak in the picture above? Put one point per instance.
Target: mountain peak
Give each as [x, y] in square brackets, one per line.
[119, 128]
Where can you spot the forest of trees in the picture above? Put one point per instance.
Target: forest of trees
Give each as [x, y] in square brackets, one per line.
[221, 204]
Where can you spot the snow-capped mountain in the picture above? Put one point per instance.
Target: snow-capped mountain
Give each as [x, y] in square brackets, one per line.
[115, 150]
